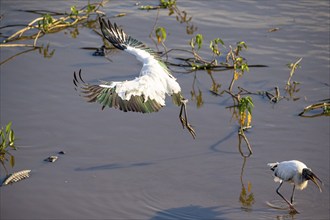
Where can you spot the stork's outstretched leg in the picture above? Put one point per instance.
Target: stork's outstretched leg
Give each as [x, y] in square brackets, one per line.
[184, 118]
[292, 209]
[292, 196]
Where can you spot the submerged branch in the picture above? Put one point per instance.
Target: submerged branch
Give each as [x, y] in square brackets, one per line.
[323, 106]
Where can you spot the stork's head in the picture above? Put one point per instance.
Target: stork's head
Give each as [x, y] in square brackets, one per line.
[309, 175]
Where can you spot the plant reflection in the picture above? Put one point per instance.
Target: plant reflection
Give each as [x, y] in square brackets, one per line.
[44, 50]
[51, 22]
[215, 87]
[196, 96]
[292, 89]
[246, 197]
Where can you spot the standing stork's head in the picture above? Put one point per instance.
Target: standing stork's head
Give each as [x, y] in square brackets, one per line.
[307, 174]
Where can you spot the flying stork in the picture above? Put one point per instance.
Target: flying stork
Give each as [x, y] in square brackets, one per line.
[294, 172]
[146, 93]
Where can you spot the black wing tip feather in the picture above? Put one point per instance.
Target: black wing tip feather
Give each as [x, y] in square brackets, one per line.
[119, 39]
[113, 34]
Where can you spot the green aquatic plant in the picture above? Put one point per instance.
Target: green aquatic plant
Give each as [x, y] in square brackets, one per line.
[7, 142]
[163, 4]
[197, 40]
[52, 22]
[245, 106]
[214, 46]
[167, 3]
[238, 63]
[181, 16]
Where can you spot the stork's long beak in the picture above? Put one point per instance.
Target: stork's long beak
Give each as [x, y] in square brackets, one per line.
[313, 178]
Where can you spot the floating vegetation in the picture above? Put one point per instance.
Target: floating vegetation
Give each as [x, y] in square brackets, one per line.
[234, 62]
[51, 22]
[48, 23]
[7, 142]
[17, 176]
[194, 61]
[317, 109]
[273, 29]
[163, 4]
[274, 97]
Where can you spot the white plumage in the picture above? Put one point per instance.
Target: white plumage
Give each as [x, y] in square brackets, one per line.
[290, 171]
[154, 82]
[294, 172]
[147, 92]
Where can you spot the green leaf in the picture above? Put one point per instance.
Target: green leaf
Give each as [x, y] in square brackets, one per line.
[167, 4]
[245, 103]
[161, 34]
[90, 8]
[8, 126]
[199, 40]
[12, 161]
[245, 67]
[218, 40]
[214, 46]
[242, 44]
[74, 10]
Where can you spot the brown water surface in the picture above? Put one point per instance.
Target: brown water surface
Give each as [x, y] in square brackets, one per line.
[144, 166]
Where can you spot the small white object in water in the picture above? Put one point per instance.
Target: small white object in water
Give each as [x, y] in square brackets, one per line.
[17, 176]
[51, 159]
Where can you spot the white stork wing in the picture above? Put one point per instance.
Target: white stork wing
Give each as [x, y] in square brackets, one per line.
[145, 93]
[155, 79]
[107, 96]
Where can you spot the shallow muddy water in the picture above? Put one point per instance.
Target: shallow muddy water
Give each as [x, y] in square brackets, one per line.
[145, 166]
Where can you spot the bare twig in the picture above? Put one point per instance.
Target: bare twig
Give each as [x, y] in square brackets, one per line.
[325, 106]
[293, 67]
[241, 135]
